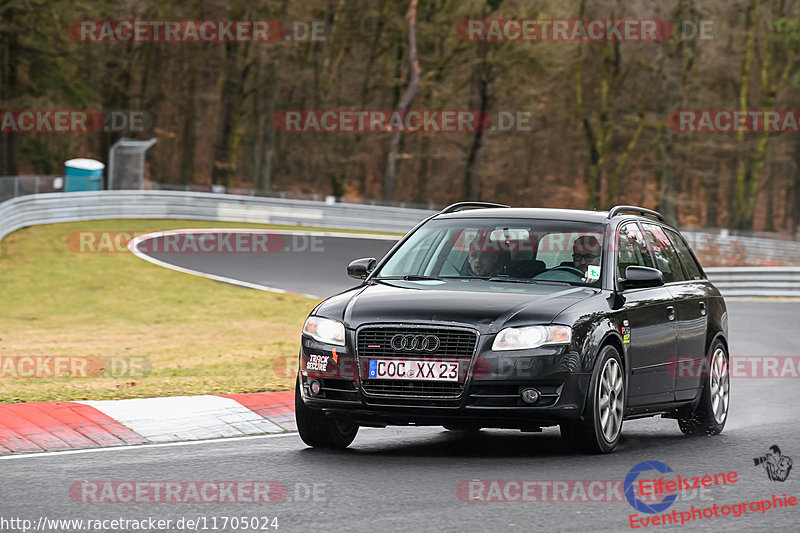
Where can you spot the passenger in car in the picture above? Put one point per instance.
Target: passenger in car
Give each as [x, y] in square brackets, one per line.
[483, 262]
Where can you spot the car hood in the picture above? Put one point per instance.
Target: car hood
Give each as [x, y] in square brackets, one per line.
[487, 306]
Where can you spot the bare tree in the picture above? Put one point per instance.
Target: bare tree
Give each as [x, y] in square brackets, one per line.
[390, 179]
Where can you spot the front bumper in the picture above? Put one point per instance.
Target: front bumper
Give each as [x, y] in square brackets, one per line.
[488, 393]
[495, 405]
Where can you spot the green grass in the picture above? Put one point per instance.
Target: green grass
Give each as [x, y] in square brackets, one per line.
[199, 336]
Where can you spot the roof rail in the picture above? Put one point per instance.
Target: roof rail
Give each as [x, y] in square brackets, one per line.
[461, 206]
[617, 209]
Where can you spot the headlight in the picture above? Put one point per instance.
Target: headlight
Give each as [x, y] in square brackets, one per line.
[324, 330]
[531, 337]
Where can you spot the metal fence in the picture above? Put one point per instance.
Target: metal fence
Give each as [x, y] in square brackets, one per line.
[51, 208]
[14, 186]
[713, 246]
[288, 195]
[126, 164]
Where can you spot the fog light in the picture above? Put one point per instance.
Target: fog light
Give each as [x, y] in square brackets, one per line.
[530, 395]
[314, 386]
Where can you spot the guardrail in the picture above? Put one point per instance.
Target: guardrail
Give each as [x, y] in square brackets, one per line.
[51, 208]
[69, 207]
[756, 281]
[743, 249]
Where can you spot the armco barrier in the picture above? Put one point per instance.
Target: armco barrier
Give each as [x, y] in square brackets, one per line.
[51, 208]
[724, 246]
[756, 281]
[68, 207]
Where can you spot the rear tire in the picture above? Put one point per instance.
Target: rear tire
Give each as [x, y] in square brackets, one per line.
[318, 430]
[600, 429]
[711, 414]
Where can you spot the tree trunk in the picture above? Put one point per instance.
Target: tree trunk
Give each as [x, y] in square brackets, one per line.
[770, 192]
[481, 86]
[189, 133]
[713, 196]
[268, 129]
[796, 195]
[343, 179]
[9, 79]
[235, 69]
[616, 176]
[665, 175]
[739, 217]
[390, 181]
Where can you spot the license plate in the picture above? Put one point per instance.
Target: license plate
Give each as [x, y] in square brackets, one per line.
[413, 369]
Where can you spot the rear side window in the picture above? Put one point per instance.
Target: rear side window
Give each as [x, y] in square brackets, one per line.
[667, 260]
[632, 249]
[689, 263]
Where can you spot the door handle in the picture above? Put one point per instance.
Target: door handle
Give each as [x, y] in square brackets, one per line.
[703, 308]
[671, 312]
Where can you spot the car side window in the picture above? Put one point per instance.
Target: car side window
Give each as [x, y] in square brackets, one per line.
[632, 250]
[666, 257]
[415, 260]
[688, 260]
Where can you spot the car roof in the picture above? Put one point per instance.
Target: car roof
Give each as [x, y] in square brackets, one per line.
[575, 215]
[571, 215]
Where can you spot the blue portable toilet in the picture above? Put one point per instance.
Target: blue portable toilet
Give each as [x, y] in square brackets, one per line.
[83, 175]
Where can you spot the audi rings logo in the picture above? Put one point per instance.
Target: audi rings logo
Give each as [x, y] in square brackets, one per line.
[415, 343]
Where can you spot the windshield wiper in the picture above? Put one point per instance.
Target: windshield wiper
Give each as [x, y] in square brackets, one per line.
[530, 281]
[410, 277]
[513, 280]
[419, 277]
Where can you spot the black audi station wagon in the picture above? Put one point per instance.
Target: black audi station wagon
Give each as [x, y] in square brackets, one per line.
[486, 316]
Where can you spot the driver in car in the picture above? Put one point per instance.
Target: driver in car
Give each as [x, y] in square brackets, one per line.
[585, 253]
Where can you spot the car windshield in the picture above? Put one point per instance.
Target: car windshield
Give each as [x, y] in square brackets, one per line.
[498, 250]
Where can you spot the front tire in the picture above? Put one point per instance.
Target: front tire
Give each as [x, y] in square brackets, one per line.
[711, 414]
[600, 429]
[318, 430]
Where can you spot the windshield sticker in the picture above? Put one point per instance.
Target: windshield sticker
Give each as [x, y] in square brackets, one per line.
[593, 273]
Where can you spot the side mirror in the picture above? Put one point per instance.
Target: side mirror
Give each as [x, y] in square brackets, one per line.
[639, 277]
[360, 268]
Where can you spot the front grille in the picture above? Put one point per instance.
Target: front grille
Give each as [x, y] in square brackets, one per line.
[453, 344]
[412, 389]
[376, 342]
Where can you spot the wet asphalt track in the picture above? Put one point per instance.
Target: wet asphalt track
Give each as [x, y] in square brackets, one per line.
[313, 265]
[405, 479]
